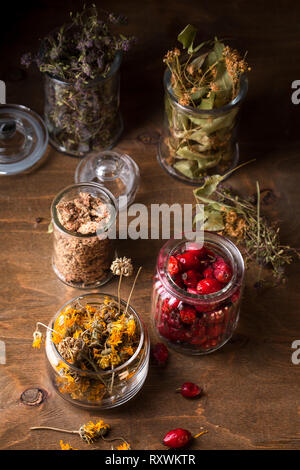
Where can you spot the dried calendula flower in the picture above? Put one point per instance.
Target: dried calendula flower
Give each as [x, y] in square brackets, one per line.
[37, 339]
[38, 336]
[124, 446]
[65, 446]
[89, 433]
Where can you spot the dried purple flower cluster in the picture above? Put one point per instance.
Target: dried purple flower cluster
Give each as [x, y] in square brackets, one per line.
[81, 50]
[81, 111]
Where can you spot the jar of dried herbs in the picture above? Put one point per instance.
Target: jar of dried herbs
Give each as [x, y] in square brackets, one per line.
[97, 349]
[204, 89]
[81, 61]
[85, 119]
[84, 223]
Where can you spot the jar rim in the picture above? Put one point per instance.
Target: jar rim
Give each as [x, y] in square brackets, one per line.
[64, 191]
[115, 65]
[202, 112]
[141, 325]
[219, 296]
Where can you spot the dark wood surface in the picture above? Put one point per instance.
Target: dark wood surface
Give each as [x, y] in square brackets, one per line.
[251, 386]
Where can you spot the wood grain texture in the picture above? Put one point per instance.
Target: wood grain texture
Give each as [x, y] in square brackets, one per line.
[251, 386]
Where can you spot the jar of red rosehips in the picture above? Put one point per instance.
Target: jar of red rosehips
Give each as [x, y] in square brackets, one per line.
[197, 293]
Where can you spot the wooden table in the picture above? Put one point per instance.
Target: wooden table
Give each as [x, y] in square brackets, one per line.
[251, 386]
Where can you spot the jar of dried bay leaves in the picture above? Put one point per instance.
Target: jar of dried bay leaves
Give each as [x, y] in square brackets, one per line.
[84, 224]
[199, 141]
[97, 350]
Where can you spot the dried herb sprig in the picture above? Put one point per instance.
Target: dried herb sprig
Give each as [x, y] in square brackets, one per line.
[241, 219]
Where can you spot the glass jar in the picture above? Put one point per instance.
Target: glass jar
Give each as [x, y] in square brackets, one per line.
[84, 260]
[196, 142]
[99, 389]
[216, 314]
[84, 119]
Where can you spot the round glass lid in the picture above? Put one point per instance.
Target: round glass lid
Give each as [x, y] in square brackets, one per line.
[23, 139]
[117, 172]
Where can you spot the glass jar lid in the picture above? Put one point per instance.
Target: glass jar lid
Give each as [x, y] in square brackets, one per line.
[117, 172]
[23, 139]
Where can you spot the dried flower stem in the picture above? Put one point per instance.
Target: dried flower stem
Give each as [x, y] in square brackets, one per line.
[119, 291]
[132, 289]
[47, 327]
[49, 428]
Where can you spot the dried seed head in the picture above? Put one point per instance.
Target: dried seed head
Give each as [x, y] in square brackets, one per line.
[122, 266]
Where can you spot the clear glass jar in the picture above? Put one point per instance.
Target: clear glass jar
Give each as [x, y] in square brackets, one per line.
[196, 142]
[79, 260]
[87, 391]
[85, 120]
[216, 314]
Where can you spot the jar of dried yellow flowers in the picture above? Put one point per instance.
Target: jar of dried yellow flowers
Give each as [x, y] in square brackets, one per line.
[97, 348]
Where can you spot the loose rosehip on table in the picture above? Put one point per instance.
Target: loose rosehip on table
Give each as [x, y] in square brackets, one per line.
[190, 390]
[160, 354]
[177, 438]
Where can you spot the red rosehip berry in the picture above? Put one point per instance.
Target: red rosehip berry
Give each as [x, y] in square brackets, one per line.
[160, 354]
[177, 438]
[189, 260]
[188, 315]
[173, 266]
[190, 390]
[222, 271]
[178, 281]
[191, 278]
[208, 286]
[208, 272]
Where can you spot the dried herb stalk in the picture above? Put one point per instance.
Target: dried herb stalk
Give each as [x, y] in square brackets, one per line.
[241, 219]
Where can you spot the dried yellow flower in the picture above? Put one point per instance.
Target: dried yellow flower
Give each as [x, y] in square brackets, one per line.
[65, 446]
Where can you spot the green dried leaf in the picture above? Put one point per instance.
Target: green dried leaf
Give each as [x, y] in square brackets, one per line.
[213, 220]
[211, 125]
[187, 167]
[186, 153]
[208, 103]
[187, 36]
[50, 228]
[225, 84]
[208, 188]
